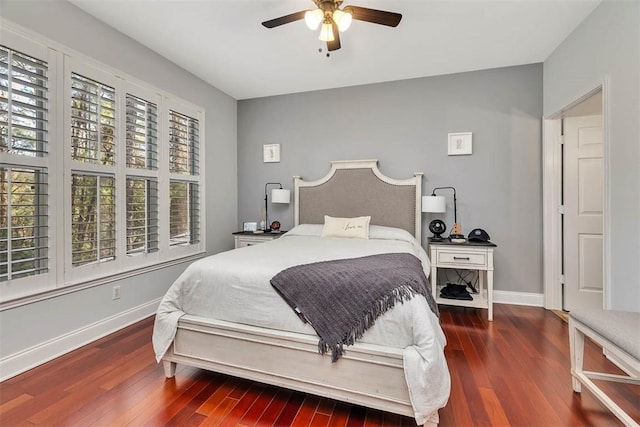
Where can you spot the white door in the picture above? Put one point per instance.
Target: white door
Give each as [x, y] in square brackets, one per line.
[583, 187]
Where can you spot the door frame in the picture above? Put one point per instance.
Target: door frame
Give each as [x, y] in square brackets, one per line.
[551, 196]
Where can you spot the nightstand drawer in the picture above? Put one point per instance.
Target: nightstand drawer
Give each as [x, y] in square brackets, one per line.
[244, 242]
[459, 257]
[243, 239]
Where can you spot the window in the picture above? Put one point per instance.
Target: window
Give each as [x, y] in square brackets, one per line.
[142, 226]
[135, 185]
[184, 197]
[92, 166]
[24, 116]
[104, 185]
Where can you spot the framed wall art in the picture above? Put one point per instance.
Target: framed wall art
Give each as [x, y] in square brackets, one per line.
[460, 144]
[271, 153]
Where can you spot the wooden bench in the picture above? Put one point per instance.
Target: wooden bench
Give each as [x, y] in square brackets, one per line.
[618, 333]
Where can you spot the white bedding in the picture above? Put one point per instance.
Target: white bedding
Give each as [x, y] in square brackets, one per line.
[235, 286]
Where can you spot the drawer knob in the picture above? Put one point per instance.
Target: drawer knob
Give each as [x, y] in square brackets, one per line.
[461, 257]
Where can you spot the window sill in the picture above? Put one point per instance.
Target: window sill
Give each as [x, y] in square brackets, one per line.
[53, 293]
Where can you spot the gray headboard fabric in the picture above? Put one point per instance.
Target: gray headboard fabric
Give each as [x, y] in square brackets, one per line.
[358, 188]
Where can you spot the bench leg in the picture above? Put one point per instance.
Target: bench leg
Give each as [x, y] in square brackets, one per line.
[576, 349]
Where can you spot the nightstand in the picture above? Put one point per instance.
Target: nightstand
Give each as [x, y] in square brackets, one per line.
[468, 256]
[248, 238]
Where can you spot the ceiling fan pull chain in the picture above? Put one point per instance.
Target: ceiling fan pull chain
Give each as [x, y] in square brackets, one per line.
[320, 51]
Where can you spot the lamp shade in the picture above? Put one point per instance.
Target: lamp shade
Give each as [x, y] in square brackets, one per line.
[326, 33]
[279, 195]
[434, 204]
[313, 18]
[342, 19]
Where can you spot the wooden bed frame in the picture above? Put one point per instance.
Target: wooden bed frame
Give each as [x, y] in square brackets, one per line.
[367, 375]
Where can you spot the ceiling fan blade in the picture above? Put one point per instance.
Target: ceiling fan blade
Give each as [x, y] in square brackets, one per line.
[284, 19]
[335, 44]
[375, 16]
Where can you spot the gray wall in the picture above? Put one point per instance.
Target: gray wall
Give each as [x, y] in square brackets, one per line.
[62, 22]
[404, 124]
[607, 46]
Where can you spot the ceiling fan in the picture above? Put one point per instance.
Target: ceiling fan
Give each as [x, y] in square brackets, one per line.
[335, 20]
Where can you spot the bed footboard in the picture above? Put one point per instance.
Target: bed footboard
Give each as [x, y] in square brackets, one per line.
[367, 375]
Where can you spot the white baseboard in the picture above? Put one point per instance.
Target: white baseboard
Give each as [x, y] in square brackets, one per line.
[24, 360]
[518, 298]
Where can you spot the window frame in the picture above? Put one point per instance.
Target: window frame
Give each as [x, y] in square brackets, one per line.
[150, 95]
[88, 271]
[17, 288]
[199, 179]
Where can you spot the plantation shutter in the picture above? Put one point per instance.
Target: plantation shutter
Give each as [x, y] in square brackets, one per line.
[88, 183]
[23, 104]
[93, 231]
[24, 115]
[184, 213]
[93, 141]
[142, 133]
[183, 144]
[93, 121]
[184, 197]
[142, 215]
[23, 223]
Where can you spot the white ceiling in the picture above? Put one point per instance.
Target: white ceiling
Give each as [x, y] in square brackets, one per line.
[223, 43]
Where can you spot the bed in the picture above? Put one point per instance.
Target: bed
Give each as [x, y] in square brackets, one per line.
[222, 314]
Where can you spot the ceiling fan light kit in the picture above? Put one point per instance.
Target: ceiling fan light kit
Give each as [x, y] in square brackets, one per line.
[334, 19]
[313, 18]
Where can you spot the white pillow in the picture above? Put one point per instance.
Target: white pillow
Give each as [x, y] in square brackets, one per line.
[354, 228]
[390, 233]
[305, 230]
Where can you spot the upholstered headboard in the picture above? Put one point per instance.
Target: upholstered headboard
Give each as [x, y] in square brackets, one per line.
[358, 188]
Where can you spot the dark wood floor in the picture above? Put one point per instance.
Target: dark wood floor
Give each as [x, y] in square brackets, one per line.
[513, 371]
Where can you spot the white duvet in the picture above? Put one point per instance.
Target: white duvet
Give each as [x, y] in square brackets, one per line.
[235, 286]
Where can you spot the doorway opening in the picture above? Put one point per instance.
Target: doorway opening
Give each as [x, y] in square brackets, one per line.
[575, 204]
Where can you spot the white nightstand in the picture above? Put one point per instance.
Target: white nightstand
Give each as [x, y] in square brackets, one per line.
[247, 238]
[469, 256]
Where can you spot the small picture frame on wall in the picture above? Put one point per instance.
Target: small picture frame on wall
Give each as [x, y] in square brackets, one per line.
[460, 144]
[271, 153]
[249, 226]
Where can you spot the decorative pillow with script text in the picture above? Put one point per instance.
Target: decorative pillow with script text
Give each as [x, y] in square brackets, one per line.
[353, 228]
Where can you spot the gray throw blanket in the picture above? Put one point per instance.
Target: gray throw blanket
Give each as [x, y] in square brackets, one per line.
[341, 299]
